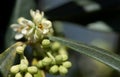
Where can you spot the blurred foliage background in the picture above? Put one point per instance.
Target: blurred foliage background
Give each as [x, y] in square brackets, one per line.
[95, 22]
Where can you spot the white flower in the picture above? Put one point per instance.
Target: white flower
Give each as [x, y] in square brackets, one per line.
[43, 24]
[46, 25]
[34, 30]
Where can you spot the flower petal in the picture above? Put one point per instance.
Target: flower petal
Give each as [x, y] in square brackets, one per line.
[37, 16]
[19, 36]
[45, 31]
[46, 23]
[15, 27]
[30, 32]
[24, 31]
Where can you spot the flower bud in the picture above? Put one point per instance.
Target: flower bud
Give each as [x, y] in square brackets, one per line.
[28, 75]
[32, 69]
[67, 64]
[63, 70]
[65, 57]
[46, 43]
[40, 64]
[58, 59]
[20, 49]
[14, 69]
[24, 61]
[46, 61]
[62, 51]
[23, 67]
[18, 75]
[54, 69]
[55, 46]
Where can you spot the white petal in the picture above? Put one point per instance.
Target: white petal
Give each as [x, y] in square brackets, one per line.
[21, 21]
[18, 36]
[31, 31]
[45, 31]
[24, 31]
[15, 26]
[30, 23]
[37, 16]
[46, 23]
[32, 13]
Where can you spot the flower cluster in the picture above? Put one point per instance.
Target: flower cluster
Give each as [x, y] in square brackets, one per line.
[23, 69]
[56, 59]
[34, 30]
[48, 56]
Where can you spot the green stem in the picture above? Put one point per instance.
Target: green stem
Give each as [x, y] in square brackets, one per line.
[51, 56]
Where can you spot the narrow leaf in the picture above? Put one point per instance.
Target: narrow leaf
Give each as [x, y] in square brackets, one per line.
[104, 56]
[7, 59]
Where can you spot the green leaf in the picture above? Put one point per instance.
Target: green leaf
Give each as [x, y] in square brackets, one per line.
[7, 59]
[104, 56]
[21, 9]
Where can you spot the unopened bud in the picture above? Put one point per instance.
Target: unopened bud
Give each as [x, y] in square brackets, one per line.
[62, 51]
[18, 75]
[54, 69]
[63, 70]
[32, 70]
[55, 46]
[65, 57]
[40, 64]
[23, 67]
[67, 64]
[14, 69]
[46, 61]
[28, 74]
[24, 61]
[58, 59]
[46, 43]
[20, 49]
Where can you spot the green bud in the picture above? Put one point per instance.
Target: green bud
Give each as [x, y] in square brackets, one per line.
[67, 64]
[65, 57]
[28, 75]
[63, 70]
[18, 75]
[14, 69]
[54, 69]
[20, 49]
[32, 69]
[24, 61]
[62, 51]
[55, 46]
[59, 59]
[23, 67]
[46, 61]
[46, 43]
[40, 64]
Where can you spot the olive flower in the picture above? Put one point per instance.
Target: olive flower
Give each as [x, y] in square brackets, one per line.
[41, 22]
[34, 30]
